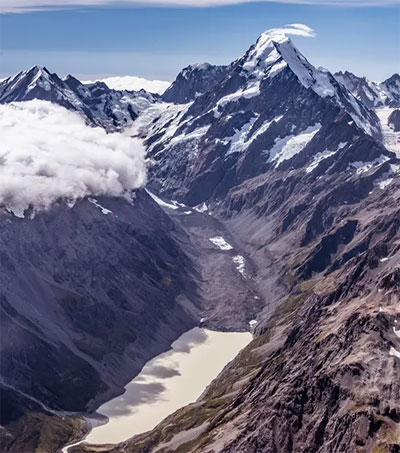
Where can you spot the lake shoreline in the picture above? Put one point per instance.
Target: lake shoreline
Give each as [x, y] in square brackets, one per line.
[166, 383]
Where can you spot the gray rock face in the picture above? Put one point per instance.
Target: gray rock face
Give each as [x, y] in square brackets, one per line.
[392, 86]
[98, 104]
[193, 81]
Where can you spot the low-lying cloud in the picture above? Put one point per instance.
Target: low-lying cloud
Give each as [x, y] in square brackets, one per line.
[49, 153]
[133, 83]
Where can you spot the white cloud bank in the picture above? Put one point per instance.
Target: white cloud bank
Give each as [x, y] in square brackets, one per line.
[48, 153]
[15, 6]
[133, 83]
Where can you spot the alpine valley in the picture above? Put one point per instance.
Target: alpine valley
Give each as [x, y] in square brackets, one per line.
[272, 198]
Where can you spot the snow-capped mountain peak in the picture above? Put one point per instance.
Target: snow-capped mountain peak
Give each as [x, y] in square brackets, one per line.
[275, 51]
[275, 54]
[24, 82]
[263, 54]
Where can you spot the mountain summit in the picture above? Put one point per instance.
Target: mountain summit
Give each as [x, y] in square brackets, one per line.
[273, 52]
[268, 107]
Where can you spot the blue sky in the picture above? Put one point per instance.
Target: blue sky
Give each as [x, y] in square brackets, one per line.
[156, 42]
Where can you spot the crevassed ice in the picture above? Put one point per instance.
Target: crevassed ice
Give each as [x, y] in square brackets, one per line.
[241, 140]
[251, 91]
[390, 137]
[238, 140]
[195, 134]
[287, 147]
[319, 157]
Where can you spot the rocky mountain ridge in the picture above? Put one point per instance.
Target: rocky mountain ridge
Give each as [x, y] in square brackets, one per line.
[99, 105]
[289, 166]
[372, 94]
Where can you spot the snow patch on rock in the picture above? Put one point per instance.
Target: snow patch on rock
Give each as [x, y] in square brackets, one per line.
[240, 264]
[98, 205]
[319, 157]
[201, 208]
[161, 202]
[220, 242]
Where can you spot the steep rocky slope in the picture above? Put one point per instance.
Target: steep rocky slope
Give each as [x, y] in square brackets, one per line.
[193, 81]
[83, 291]
[394, 120]
[322, 374]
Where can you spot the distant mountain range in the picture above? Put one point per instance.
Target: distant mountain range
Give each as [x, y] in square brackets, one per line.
[299, 169]
[96, 102]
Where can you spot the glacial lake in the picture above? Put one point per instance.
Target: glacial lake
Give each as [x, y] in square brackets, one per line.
[166, 383]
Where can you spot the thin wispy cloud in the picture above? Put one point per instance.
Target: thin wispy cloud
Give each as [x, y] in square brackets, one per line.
[294, 29]
[19, 6]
